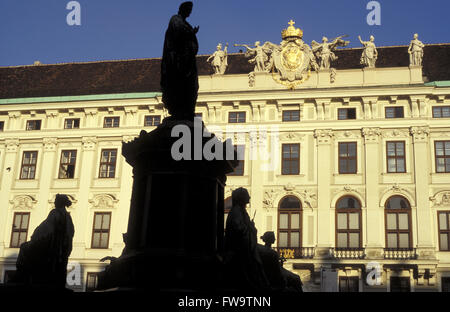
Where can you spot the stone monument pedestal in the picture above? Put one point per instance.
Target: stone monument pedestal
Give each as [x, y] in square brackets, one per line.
[175, 227]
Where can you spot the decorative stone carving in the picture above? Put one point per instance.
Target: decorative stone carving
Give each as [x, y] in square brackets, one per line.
[396, 133]
[290, 62]
[219, 59]
[269, 197]
[289, 187]
[259, 54]
[11, 145]
[441, 199]
[103, 201]
[348, 134]
[371, 135]
[89, 142]
[325, 51]
[291, 136]
[370, 52]
[309, 198]
[251, 79]
[415, 51]
[324, 136]
[23, 202]
[50, 143]
[420, 134]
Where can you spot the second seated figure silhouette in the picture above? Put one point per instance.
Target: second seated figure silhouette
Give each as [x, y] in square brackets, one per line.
[43, 260]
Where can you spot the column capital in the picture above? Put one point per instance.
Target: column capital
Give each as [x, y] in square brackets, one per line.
[420, 134]
[324, 136]
[371, 135]
[89, 143]
[49, 144]
[12, 145]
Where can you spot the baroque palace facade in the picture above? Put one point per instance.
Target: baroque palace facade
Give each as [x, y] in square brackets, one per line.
[351, 173]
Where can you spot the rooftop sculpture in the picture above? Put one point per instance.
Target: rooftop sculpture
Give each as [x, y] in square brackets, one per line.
[415, 51]
[219, 59]
[370, 52]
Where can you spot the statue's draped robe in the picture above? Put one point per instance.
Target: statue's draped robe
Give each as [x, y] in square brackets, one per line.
[44, 258]
[179, 77]
[242, 255]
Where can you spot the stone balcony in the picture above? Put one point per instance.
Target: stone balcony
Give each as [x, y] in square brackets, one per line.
[400, 253]
[296, 253]
[347, 253]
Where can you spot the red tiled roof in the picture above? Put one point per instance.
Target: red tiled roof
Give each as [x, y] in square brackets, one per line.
[143, 75]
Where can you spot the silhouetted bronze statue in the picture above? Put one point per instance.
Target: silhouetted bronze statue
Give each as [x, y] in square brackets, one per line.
[43, 259]
[279, 277]
[179, 77]
[242, 258]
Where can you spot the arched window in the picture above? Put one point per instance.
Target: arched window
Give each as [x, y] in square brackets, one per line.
[289, 222]
[348, 223]
[398, 223]
[227, 207]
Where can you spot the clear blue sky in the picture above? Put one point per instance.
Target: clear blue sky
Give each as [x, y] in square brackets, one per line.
[124, 29]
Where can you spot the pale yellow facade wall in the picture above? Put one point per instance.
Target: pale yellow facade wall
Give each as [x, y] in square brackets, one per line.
[318, 185]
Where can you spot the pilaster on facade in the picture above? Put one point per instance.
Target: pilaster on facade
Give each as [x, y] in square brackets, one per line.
[371, 135]
[258, 110]
[89, 143]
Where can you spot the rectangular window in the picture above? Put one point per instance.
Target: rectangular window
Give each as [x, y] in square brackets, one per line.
[239, 170]
[151, 121]
[394, 112]
[111, 122]
[236, 117]
[19, 229]
[395, 157]
[445, 281]
[441, 111]
[442, 156]
[291, 115]
[29, 161]
[290, 159]
[347, 157]
[67, 164]
[108, 163]
[91, 281]
[400, 284]
[444, 230]
[346, 113]
[101, 228]
[2, 125]
[33, 125]
[348, 284]
[72, 123]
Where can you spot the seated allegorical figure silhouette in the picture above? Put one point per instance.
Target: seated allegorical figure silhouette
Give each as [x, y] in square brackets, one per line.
[43, 259]
[242, 260]
[279, 277]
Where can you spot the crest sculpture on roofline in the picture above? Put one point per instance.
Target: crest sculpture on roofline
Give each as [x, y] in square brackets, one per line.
[290, 62]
